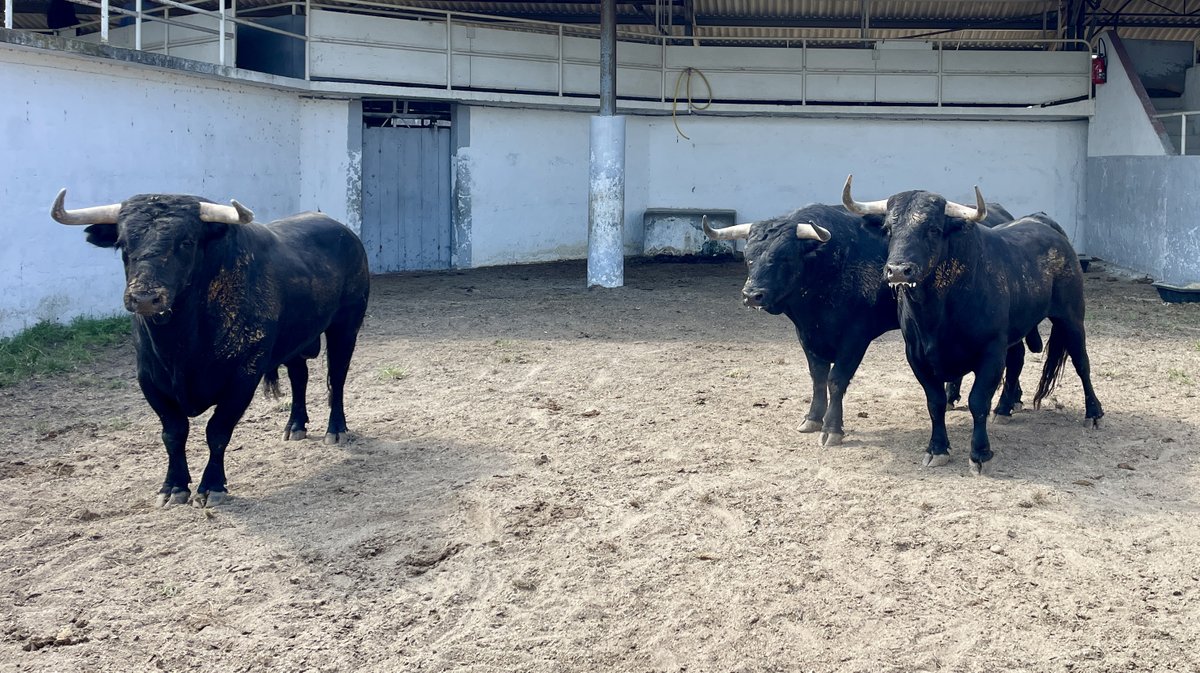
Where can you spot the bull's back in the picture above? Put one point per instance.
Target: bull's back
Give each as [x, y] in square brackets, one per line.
[320, 277]
[1037, 266]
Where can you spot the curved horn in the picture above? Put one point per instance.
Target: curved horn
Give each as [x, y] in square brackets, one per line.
[94, 215]
[235, 214]
[727, 233]
[810, 230]
[967, 213]
[864, 207]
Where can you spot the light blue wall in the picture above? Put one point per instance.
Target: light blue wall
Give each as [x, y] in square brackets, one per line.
[1144, 214]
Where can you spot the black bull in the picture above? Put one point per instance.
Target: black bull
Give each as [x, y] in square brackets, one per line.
[967, 293]
[822, 267]
[219, 303]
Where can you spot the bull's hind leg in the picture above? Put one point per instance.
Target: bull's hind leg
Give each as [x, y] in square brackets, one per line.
[987, 379]
[839, 380]
[953, 393]
[1076, 343]
[818, 371]
[339, 347]
[211, 491]
[297, 368]
[1010, 395]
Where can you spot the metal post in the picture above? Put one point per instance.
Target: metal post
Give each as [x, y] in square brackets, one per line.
[221, 33]
[449, 53]
[137, 26]
[104, 21]
[167, 32]
[606, 193]
[560, 59]
[1182, 134]
[608, 57]
[307, 39]
[939, 73]
[606, 203]
[8, 13]
[233, 41]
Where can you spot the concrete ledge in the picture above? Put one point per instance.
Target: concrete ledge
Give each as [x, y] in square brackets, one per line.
[677, 232]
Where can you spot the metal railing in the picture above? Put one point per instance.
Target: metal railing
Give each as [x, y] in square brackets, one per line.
[227, 13]
[1183, 117]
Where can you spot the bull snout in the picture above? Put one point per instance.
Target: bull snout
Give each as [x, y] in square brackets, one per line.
[145, 301]
[902, 273]
[753, 297]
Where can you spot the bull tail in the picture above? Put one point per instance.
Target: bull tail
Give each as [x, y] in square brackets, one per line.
[271, 382]
[1056, 357]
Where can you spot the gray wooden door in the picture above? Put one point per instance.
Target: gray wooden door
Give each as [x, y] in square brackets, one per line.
[406, 198]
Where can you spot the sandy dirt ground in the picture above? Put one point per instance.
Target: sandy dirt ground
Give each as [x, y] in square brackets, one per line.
[546, 478]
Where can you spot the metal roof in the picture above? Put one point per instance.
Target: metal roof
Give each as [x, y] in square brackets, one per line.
[967, 20]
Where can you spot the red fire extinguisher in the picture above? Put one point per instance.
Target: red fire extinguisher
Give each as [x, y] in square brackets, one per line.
[1100, 64]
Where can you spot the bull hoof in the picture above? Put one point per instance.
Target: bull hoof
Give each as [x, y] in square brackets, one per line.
[1093, 423]
[337, 437]
[177, 496]
[831, 438]
[935, 459]
[1001, 419]
[976, 469]
[1019, 406]
[209, 500]
[811, 426]
[294, 435]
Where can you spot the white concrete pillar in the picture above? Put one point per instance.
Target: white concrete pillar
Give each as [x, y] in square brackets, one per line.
[606, 203]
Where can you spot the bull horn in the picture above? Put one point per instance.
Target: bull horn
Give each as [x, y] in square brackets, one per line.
[94, 215]
[810, 231]
[966, 213]
[235, 214]
[861, 207]
[726, 233]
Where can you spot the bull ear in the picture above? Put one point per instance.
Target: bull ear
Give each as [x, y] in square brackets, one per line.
[957, 224]
[102, 235]
[214, 230]
[873, 221]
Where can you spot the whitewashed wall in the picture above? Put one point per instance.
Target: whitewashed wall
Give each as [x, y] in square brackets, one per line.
[1122, 125]
[107, 131]
[529, 170]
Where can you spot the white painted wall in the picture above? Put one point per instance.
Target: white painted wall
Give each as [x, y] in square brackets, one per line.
[106, 131]
[1121, 125]
[529, 170]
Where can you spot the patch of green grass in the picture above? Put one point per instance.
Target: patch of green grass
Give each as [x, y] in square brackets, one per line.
[53, 348]
[1179, 376]
[503, 343]
[1196, 346]
[393, 373]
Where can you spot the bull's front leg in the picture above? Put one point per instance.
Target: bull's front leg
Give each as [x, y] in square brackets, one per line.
[211, 491]
[175, 428]
[818, 371]
[937, 453]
